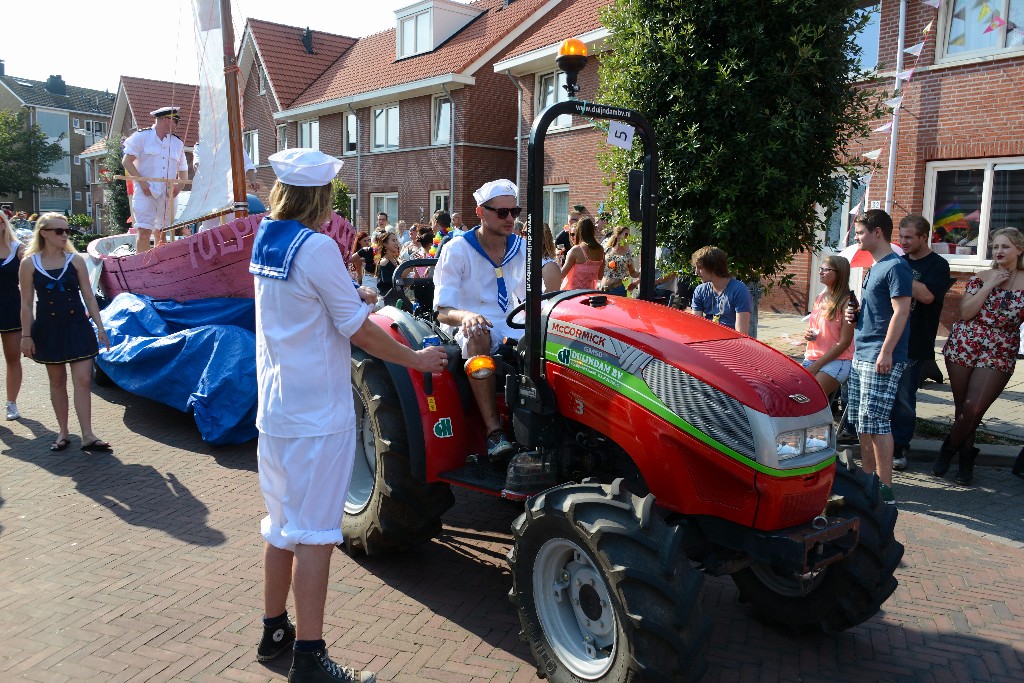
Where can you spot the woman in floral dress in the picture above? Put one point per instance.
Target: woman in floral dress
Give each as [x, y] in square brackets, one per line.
[981, 351]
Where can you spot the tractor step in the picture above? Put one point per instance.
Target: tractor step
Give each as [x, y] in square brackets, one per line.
[477, 474]
[526, 475]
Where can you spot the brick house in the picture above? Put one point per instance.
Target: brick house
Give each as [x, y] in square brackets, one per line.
[76, 118]
[960, 155]
[385, 103]
[135, 98]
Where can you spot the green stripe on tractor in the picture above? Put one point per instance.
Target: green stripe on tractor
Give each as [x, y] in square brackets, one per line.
[636, 390]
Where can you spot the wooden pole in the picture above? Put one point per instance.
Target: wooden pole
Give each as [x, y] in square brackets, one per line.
[234, 111]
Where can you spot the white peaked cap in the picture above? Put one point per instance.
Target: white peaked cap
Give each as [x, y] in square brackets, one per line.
[304, 167]
[495, 188]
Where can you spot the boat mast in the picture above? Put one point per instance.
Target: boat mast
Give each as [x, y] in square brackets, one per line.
[234, 111]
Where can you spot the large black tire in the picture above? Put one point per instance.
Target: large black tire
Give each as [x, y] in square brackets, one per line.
[387, 509]
[604, 590]
[848, 592]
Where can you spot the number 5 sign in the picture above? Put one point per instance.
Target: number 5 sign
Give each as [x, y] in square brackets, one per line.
[620, 134]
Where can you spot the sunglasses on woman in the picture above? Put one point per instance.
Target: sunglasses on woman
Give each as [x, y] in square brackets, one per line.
[504, 213]
[58, 231]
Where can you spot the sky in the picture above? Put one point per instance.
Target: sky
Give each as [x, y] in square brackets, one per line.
[91, 45]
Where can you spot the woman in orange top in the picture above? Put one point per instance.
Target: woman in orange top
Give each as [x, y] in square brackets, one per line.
[829, 336]
[584, 263]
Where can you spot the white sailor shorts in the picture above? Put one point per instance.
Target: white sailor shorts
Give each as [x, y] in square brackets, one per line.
[152, 213]
[305, 482]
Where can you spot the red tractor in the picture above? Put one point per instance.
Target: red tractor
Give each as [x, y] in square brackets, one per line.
[660, 447]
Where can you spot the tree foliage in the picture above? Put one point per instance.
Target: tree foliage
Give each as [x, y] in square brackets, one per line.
[116, 205]
[339, 199]
[754, 108]
[25, 154]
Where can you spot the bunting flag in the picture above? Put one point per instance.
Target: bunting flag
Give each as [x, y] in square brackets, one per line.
[905, 75]
[985, 11]
[928, 28]
[932, 3]
[996, 23]
[855, 211]
[873, 155]
[894, 102]
[883, 128]
[915, 50]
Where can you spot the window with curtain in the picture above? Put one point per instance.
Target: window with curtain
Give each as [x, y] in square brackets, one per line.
[549, 91]
[441, 121]
[385, 127]
[982, 27]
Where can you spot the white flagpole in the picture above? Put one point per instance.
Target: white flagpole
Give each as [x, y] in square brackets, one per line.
[894, 136]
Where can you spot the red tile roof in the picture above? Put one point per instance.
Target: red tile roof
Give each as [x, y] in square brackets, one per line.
[290, 68]
[98, 147]
[570, 19]
[145, 95]
[370, 64]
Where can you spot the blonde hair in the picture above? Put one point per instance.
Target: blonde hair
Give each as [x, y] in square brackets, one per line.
[1016, 239]
[11, 237]
[36, 244]
[839, 290]
[617, 231]
[310, 206]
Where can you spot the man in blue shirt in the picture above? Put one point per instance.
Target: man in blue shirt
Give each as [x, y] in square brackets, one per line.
[881, 345]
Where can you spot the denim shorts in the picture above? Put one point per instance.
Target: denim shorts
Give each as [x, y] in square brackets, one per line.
[837, 369]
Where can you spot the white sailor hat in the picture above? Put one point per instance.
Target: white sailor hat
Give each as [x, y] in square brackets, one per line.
[165, 111]
[495, 188]
[304, 167]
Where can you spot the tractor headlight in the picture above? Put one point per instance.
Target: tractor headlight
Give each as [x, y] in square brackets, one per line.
[802, 441]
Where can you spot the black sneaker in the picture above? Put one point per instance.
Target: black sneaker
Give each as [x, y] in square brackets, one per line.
[317, 667]
[276, 641]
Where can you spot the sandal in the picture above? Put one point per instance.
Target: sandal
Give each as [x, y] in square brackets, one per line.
[61, 444]
[96, 446]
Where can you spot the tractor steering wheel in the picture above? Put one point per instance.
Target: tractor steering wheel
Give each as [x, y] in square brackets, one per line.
[400, 281]
[518, 309]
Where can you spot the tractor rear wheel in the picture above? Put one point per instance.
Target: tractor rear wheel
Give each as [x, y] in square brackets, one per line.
[388, 509]
[843, 594]
[603, 589]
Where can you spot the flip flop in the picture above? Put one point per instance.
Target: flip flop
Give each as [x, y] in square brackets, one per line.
[96, 446]
[60, 445]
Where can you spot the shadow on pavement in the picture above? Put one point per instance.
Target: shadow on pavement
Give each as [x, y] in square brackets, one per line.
[138, 494]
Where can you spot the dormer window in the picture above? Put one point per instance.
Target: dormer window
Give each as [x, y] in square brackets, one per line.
[423, 26]
[415, 36]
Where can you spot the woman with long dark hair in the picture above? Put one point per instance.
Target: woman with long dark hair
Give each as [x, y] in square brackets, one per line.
[829, 354]
[981, 351]
[584, 263]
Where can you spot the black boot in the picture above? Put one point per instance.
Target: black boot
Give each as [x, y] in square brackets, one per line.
[965, 470]
[941, 464]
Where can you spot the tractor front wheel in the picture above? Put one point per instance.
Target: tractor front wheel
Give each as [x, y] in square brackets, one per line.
[603, 589]
[843, 594]
[387, 509]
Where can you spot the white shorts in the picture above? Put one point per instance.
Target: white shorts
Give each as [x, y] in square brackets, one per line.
[152, 213]
[305, 482]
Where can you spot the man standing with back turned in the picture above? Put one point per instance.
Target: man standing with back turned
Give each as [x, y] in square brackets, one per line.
[881, 345]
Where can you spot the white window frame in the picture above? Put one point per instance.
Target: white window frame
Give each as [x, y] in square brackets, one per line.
[352, 207]
[251, 145]
[261, 80]
[78, 160]
[309, 133]
[88, 126]
[98, 127]
[998, 8]
[346, 132]
[560, 95]
[88, 201]
[420, 39]
[556, 223]
[282, 137]
[379, 201]
[435, 115]
[382, 114]
[440, 199]
[75, 123]
[78, 195]
[989, 166]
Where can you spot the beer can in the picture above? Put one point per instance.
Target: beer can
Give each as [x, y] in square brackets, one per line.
[431, 341]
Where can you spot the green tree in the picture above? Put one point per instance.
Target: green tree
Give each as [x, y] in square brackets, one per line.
[754, 105]
[339, 199]
[117, 207]
[25, 154]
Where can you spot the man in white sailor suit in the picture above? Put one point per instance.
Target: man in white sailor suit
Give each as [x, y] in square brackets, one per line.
[155, 152]
[478, 280]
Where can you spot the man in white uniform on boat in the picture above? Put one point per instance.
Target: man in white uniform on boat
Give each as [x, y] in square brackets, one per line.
[308, 313]
[478, 280]
[155, 152]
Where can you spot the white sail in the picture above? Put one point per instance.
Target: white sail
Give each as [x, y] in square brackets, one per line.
[211, 187]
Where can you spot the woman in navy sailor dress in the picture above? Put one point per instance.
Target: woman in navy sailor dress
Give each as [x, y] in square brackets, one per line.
[60, 334]
[11, 252]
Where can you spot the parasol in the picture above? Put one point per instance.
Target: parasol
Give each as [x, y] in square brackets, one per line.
[862, 259]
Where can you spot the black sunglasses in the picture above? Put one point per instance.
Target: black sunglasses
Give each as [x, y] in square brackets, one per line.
[58, 231]
[505, 213]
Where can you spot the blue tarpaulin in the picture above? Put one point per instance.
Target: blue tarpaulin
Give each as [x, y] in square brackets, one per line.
[198, 355]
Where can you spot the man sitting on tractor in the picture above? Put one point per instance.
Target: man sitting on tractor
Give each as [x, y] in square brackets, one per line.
[479, 279]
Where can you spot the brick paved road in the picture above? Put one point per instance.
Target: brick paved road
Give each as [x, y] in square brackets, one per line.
[144, 566]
